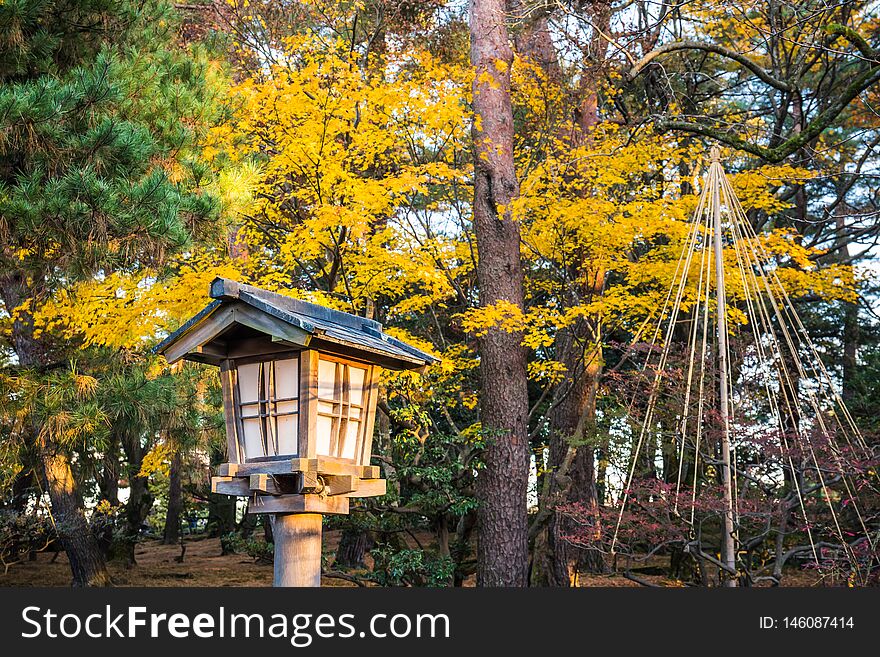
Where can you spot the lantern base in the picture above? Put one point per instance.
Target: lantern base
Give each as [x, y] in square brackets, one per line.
[295, 485]
[299, 504]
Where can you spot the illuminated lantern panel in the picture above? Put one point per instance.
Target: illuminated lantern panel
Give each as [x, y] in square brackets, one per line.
[268, 407]
[302, 404]
[340, 411]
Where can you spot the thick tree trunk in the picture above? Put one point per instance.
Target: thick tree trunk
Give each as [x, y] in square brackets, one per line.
[171, 535]
[83, 552]
[502, 550]
[87, 562]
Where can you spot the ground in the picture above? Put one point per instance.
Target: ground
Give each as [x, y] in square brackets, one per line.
[204, 565]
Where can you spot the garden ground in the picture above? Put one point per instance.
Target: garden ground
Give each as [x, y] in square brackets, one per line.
[204, 564]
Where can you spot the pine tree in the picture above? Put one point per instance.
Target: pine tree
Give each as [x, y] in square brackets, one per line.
[99, 108]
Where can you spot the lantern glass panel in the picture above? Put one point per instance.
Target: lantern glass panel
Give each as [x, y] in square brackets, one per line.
[356, 377]
[352, 431]
[253, 437]
[249, 382]
[325, 432]
[268, 407]
[327, 379]
[287, 378]
[341, 395]
[288, 434]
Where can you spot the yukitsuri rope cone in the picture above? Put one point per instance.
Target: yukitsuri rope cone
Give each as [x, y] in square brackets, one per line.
[775, 417]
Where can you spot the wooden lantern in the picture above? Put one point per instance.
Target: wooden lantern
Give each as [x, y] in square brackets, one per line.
[299, 395]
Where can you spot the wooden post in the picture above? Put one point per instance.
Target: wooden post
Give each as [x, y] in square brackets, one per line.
[728, 548]
[297, 549]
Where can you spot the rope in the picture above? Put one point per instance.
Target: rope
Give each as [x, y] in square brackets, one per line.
[798, 399]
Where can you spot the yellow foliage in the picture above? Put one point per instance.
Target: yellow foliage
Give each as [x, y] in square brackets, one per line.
[129, 312]
[158, 459]
[350, 157]
[547, 371]
[502, 314]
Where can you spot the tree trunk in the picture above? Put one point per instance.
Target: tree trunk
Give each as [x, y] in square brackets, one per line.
[502, 550]
[354, 544]
[108, 486]
[108, 481]
[140, 501]
[851, 336]
[171, 535]
[460, 549]
[83, 552]
[572, 426]
[136, 512]
[268, 536]
[851, 333]
[248, 524]
[21, 491]
[221, 514]
[580, 412]
[87, 562]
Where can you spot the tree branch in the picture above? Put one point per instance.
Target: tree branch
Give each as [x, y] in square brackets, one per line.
[792, 144]
[744, 61]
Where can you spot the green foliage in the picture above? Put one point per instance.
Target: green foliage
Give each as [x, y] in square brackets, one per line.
[256, 548]
[98, 131]
[410, 567]
[23, 534]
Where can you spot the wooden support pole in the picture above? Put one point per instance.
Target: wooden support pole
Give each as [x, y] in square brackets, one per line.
[728, 547]
[297, 549]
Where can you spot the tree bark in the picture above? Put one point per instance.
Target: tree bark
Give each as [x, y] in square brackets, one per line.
[851, 331]
[354, 544]
[136, 511]
[502, 550]
[21, 491]
[572, 428]
[108, 486]
[171, 535]
[87, 563]
[578, 413]
[140, 501]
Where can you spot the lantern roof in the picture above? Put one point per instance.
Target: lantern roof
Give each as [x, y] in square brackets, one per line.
[244, 320]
